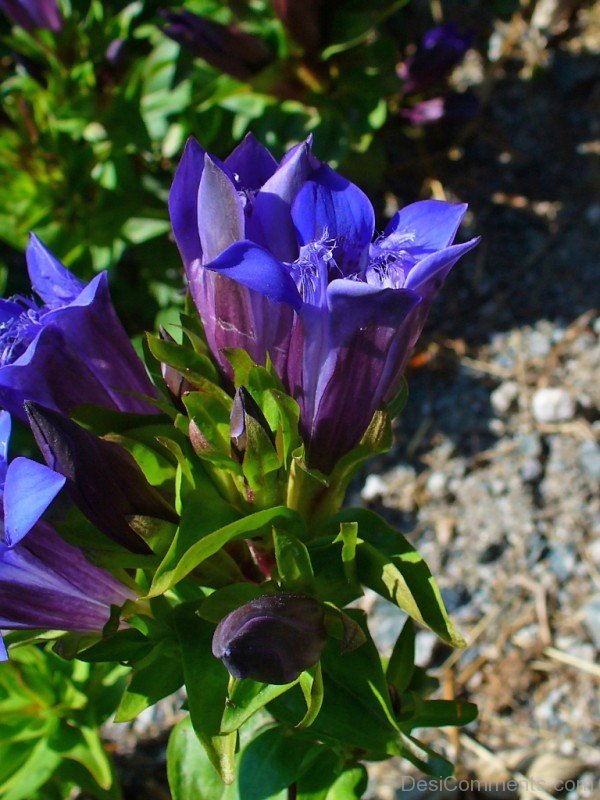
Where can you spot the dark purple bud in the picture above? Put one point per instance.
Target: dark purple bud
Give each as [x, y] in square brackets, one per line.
[272, 639]
[441, 49]
[32, 14]
[103, 479]
[302, 18]
[225, 47]
[244, 410]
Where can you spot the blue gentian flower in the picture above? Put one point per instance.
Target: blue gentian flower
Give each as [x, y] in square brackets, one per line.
[214, 205]
[70, 350]
[44, 582]
[32, 14]
[356, 303]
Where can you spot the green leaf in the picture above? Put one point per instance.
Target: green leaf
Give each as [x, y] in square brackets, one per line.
[189, 770]
[84, 746]
[246, 698]
[401, 665]
[312, 688]
[32, 773]
[157, 675]
[354, 689]
[222, 602]
[206, 681]
[195, 367]
[293, 563]
[272, 762]
[390, 565]
[252, 525]
[123, 645]
[441, 713]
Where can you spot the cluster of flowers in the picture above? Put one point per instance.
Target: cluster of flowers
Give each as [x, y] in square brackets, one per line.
[282, 261]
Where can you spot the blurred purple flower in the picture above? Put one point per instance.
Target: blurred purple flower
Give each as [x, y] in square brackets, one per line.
[441, 49]
[361, 304]
[272, 639]
[32, 14]
[216, 204]
[69, 351]
[225, 47]
[44, 582]
[455, 107]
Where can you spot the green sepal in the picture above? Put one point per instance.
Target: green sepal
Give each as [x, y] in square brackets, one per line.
[293, 563]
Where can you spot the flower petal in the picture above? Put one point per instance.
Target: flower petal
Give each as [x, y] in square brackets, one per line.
[330, 207]
[354, 305]
[427, 275]
[432, 224]
[29, 489]
[183, 202]
[251, 163]
[5, 429]
[255, 268]
[49, 278]
[220, 213]
[271, 223]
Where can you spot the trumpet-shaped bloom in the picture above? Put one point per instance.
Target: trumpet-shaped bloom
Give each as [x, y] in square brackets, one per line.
[44, 582]
[215, 204]
[308, 242]
[272, 639]
[32, 14]
[69, 351]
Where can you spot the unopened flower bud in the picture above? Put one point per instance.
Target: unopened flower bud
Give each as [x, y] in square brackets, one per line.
[245, 408]
[272, 639]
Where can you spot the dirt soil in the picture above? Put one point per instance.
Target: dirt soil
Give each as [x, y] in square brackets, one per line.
[496, 468]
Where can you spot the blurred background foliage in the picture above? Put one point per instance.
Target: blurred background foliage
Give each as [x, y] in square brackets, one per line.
[95, 115]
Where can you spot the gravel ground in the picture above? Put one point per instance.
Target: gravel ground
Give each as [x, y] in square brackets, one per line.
[496, 468]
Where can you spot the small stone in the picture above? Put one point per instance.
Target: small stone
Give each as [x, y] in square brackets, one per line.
[530, 445]
[552, 404]
[589, 458]
[531, 470]
[504, 396]
[562, 560]
[425, 643]
[374, 488]
[437, 485]
[455, 597]
[591, 619]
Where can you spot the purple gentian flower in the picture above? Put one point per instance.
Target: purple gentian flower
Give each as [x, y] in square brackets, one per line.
[360, 304]
[32, 14]
[225, 47]
[72, 349]
[246, 199]
[441, 49]
[272, 639]
[44, 582]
